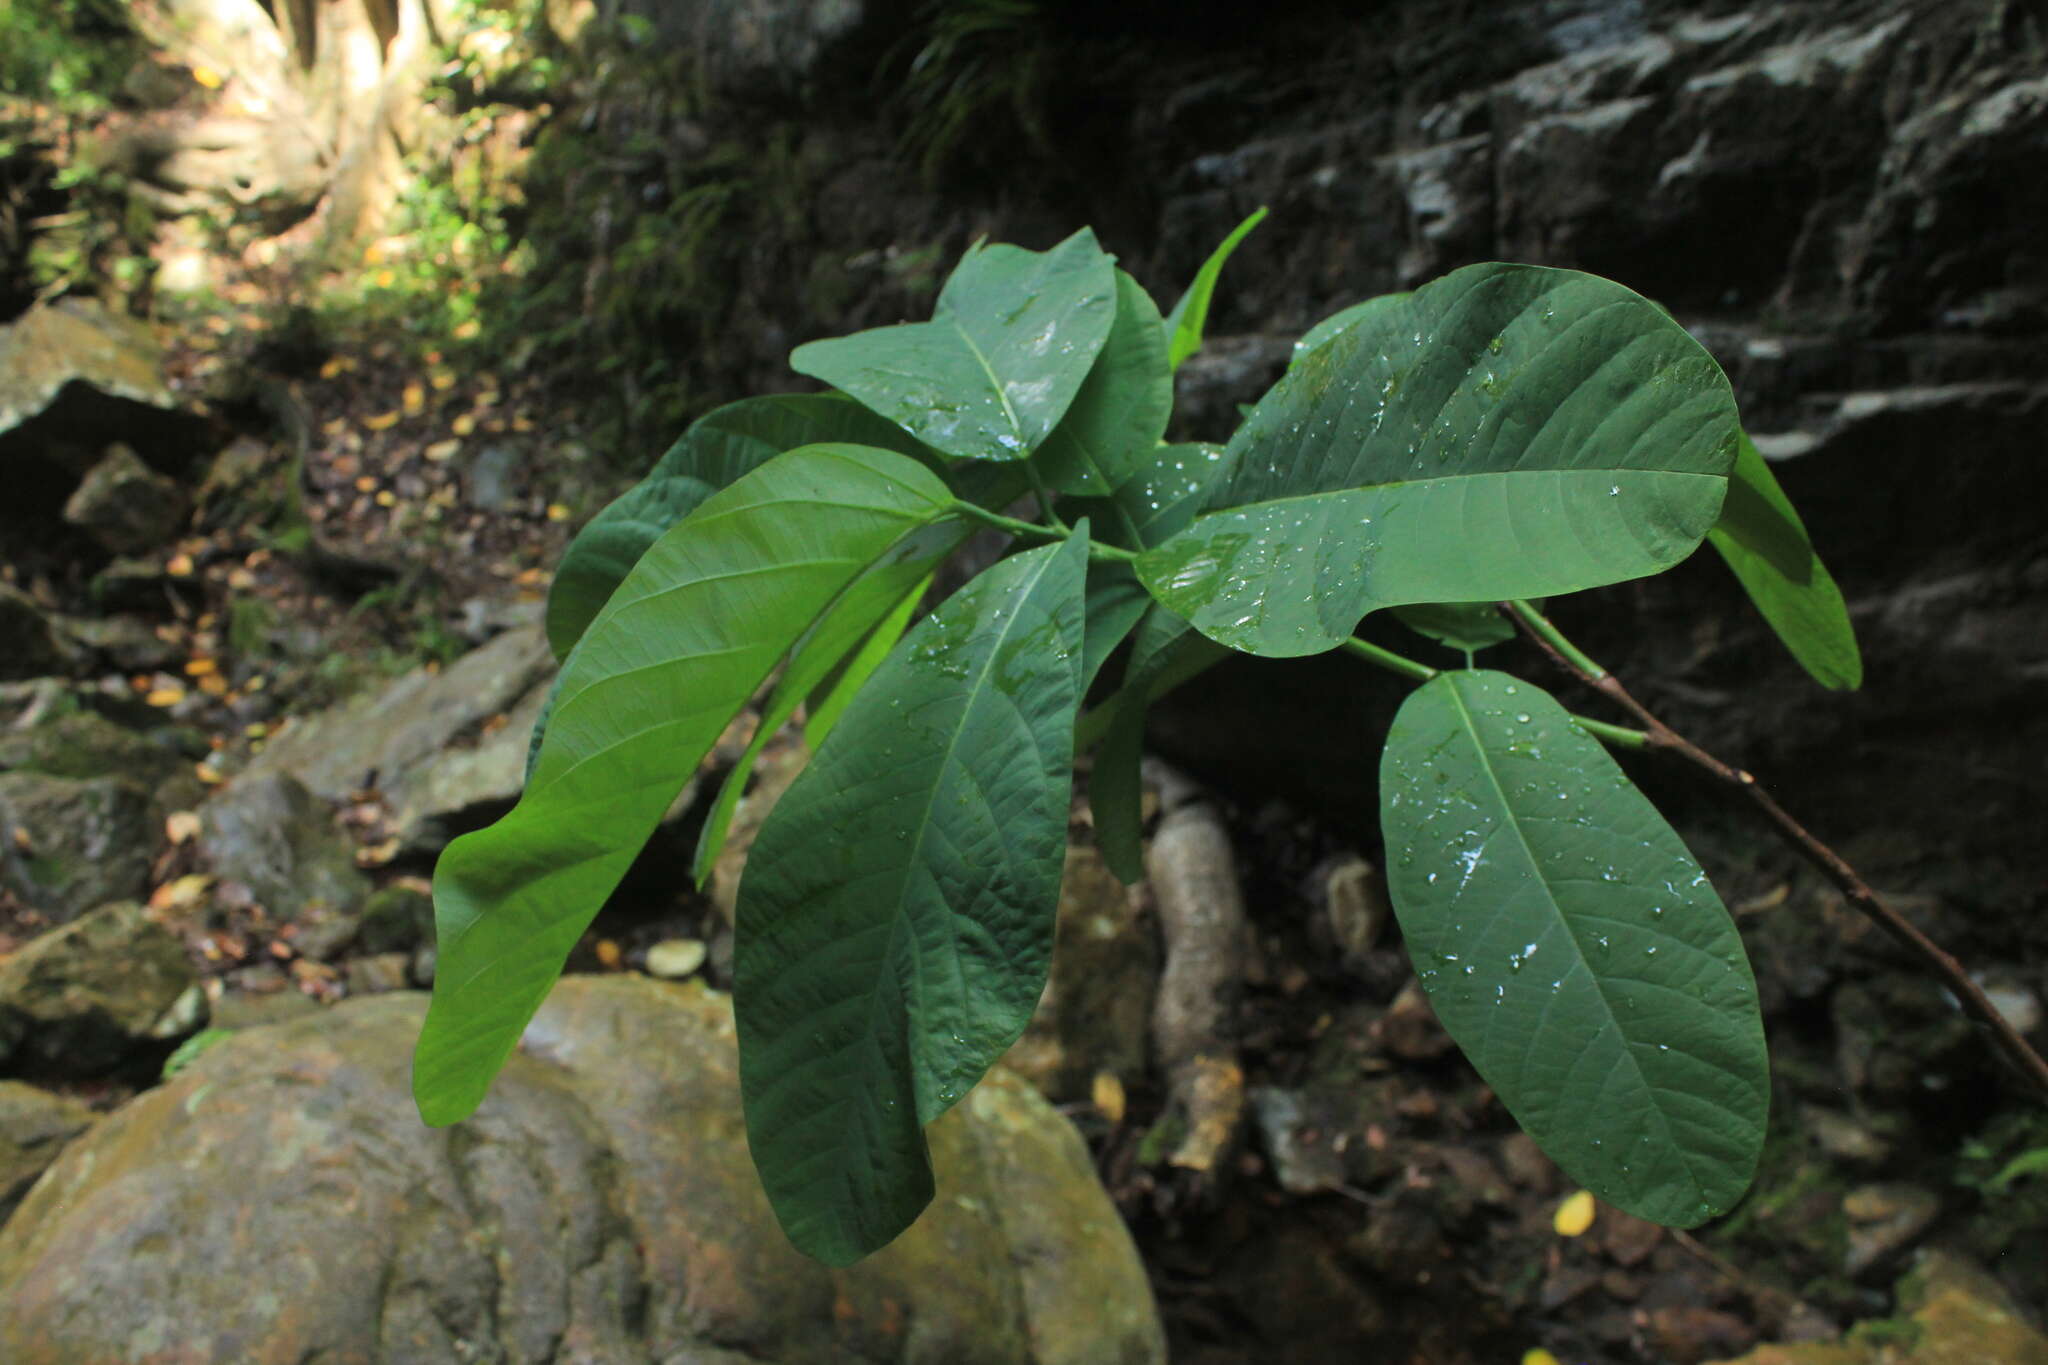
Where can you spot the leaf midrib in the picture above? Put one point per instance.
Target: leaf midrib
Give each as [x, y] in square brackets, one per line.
[1529, 855]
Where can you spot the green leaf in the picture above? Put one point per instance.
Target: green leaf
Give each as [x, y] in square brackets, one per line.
[608, 547]
[733, 440]
[1469, 626]
[1160, 496]
[719, 447]
[1508, 431]
[989, 377]
[827, 701]
[1116, 600]
[895, 918]
[1122, 408]
[680, 647]
[1765, 543]
[1166, 653]
[1573, 948]
[1191, 314]
[1343, 320]
[848, 626]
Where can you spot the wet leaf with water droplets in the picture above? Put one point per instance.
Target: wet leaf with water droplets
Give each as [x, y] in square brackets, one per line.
[1403, 461]
[898, 902]
[1008, 347]
[1613, 998]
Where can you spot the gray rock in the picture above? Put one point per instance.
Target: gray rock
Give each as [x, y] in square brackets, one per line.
[757, 46]
[396, 919]
[394, 737]
[34, 1126]
[600, 1206]
[493, 479]
[85, 744]
[125, 505]
[269, 833]
[75, 340]
[79, 999]
[465, 784]
[1884, 1220]
[1095, 1015]
[29, 644]
[73, 843]
[672, 959]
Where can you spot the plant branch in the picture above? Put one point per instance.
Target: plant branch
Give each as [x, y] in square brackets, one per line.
[1044, 496]
[1662, 738]
[1043, 534]
[1415, 671]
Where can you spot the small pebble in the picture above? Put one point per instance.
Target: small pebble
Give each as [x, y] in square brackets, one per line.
[675, 958]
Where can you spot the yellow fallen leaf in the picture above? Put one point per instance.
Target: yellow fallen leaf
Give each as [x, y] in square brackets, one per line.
[181, 826]
[181, 894]
[558, 512]
[214, 685]
[441, 379]
[207, 77]
[463, 425]
[386, 278]
[1575, 1214]
[415, 397]
[383, 421]
[199, 668]
[1538, 1356]
[465, 330]
[608, 953]
[378, 854]
[22, 840]
[365, 483]
[332, 368]
[1108, 1095]
[164, 696]
[179, 566]
[441, 451]
[387, 498]
[209, 774]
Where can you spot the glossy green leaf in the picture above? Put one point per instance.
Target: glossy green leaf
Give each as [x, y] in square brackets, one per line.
[1470, 626]
[989, 377]
[896, 916]
[1343, 320]
[608, 547]
[827, 701]
[719, 447]
[1573, 948]
[1159, 497]
[1191, 315]
[696, 627]
[849, 627]
[1508, 431]
[1116, 600]
[739, 437]
[1765, 543]
[1165, 653]
[1120, 413]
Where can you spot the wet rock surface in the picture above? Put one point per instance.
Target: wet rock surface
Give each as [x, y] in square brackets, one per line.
[280, 1200]
[80, 1000]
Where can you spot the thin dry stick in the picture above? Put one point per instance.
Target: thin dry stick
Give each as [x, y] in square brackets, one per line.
[1663, 738]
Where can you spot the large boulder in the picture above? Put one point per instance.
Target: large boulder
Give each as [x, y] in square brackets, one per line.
[80, 999]
[34, 1126]
[280, 1201]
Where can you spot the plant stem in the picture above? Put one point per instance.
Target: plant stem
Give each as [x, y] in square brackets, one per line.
[1662, 738]
[1618, 735]
[1003, 523]
[1389, 660]
[1043, 534]
[1044, 496]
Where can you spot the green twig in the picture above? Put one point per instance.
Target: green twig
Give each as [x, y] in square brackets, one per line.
[1044, 496]
[1389, 660]
[1015, 527]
